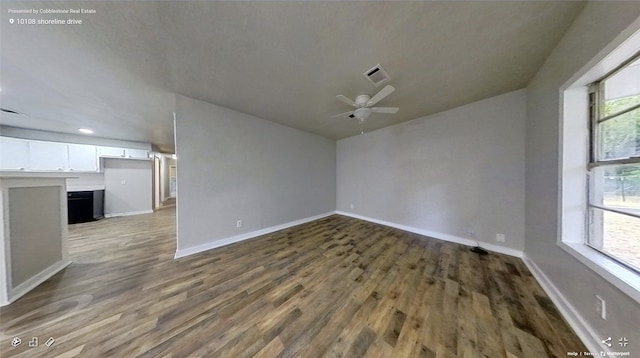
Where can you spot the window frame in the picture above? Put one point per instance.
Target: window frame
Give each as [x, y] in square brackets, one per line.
[574, 158]
[596, 95]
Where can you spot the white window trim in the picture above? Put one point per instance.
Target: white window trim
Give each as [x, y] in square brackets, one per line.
[572, 208]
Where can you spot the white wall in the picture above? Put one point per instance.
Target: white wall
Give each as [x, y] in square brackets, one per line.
[446, 174]
[234, 166]
[592, 31]
[134, 196]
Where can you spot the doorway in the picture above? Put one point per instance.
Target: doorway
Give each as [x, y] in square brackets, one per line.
[173, 181]
[165, 180]
[157, 190]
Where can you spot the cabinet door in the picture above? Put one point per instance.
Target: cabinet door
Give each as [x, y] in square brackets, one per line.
[136, 153]
[48, 156]
[14, 153]
[110, 152]
[83, 158]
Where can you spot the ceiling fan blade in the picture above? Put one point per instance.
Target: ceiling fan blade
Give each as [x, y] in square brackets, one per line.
[346, 100]
[390, 110]
[387, 90]
[345, 114]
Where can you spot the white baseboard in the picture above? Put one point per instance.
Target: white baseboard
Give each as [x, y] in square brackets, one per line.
[583, 330]
[129, 213]
[440, 236]
[249, 235]
[34, 281]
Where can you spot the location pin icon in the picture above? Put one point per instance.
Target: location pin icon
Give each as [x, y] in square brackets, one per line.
[11, 21]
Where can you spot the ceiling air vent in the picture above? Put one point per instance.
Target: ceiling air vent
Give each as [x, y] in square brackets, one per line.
[377, 75]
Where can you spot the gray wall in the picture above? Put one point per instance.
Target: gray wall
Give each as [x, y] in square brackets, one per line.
[233, 166]
[35, 231]
[448, 173]
[594, 29]
[135, 194]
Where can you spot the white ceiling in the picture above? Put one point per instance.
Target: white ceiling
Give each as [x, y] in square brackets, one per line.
[281, 61]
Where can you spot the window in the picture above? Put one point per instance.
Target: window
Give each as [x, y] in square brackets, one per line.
[614, 167]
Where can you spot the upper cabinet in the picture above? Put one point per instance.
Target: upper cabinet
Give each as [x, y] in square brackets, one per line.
[83, 158]
[124, 153]
[48, 156]
[14, 154]
[113, 152]
[110, 152]
[35, 155]
[136, 154]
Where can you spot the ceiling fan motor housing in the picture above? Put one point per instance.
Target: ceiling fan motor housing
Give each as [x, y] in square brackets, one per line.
[362, 100]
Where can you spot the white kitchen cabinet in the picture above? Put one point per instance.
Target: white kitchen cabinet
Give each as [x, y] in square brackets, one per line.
[82, 158]
[18, 154]
[136, 154]
[110, 152]
[14, 154]
[48, 156]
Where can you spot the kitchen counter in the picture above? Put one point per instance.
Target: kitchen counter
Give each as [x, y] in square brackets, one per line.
[25, 174]
[85, 188]
[71, 187]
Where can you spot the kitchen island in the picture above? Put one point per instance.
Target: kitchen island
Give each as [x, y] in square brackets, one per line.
[34, 230]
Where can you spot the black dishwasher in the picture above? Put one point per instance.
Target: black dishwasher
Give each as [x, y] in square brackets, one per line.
[80, 206]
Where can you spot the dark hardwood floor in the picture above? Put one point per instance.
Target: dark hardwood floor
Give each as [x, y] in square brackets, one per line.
[333, 287]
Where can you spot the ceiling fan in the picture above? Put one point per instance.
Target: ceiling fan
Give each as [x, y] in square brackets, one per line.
[363, 105]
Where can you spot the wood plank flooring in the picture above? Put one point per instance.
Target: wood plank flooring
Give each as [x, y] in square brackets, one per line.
[336, 287]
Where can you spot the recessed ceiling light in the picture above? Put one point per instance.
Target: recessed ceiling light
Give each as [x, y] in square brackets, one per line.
[85, 130]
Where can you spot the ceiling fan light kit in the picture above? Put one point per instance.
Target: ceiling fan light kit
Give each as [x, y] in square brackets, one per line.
[362, 113]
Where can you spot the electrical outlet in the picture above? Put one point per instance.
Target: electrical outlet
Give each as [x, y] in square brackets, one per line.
[123, 182]
[239, 223]
[601, 307]
[500, 238]
[351, 205]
